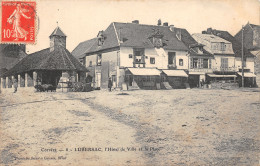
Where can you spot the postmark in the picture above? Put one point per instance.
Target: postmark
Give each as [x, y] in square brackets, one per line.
[18, 22]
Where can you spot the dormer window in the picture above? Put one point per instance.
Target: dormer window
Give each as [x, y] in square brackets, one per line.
[101, 41]
[101, 38]
[156, 38]
[222, 46]
[157, 42]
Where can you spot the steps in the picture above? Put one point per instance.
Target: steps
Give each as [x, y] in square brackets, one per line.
[167, 85]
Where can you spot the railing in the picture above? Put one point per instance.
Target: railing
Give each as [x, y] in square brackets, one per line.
[224, 69]
[201, 70]
[171, 66]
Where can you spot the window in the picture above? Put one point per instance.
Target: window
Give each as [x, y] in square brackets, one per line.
[181, 62]
[205, 63]
[209, 63]
[130, 56]
[101, 41]
[152, 60]
[139, 55]
[90, 63]
[195, 62]
[222, 46]
[224, 63]
[99, 59]
[171, 58]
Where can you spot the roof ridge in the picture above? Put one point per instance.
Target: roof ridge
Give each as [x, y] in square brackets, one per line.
[118, 40]
[64, 50]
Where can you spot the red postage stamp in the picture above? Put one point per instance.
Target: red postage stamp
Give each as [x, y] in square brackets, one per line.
[18, 22]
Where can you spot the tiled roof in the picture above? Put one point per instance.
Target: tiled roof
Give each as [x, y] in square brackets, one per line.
[83, 47]
[211, 38]
[189, 41]
[58, 59]
[131, 35]
[57, 32]
[237, 46]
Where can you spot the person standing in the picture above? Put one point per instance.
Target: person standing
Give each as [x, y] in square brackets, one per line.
[15, 85]
[109, 84]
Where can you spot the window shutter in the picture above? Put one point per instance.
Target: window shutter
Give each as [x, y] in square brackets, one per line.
[209, 63]
[191, 63]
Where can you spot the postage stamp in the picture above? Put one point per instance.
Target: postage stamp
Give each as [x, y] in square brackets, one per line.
[18, 22]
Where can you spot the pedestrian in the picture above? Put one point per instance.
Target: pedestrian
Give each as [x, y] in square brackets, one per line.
[109, 84]
[15, 85]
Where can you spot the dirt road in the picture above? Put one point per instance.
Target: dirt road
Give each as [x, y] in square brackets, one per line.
[175, 127]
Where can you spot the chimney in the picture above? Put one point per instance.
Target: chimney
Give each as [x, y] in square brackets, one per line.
[214, 32]
[135, 21]
[159, 22]
[172, 28]
[209, 31]
[165, 24]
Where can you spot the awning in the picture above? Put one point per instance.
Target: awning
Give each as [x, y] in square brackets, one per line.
[247, 74]
[215, 75]
[144, 72]
[175, 73]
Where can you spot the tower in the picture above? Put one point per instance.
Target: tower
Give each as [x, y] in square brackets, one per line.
[57, 38]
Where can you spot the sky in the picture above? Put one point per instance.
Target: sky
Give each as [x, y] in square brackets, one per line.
[81, 20]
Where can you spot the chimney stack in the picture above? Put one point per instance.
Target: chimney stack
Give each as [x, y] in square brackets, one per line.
[209, 31]
[159, 22]
[165, 24]
[135, 21]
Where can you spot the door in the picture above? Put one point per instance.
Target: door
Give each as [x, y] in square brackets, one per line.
[98, 80]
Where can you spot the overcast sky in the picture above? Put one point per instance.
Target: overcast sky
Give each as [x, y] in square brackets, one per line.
[81, 20]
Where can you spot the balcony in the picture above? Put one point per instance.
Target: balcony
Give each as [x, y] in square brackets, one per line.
[224, 69]
[172, 66]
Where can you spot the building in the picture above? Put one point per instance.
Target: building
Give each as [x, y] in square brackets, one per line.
[227, 53]
[135, 54]
[54, 65]
[10, 54]
[251, 38]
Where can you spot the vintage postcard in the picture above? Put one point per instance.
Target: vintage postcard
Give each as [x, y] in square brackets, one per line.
[136, 83]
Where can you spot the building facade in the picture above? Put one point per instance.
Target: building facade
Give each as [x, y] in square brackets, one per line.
[227, 61]
[125, 51]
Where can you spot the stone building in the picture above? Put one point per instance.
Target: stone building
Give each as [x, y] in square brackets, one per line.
[135, 54]
[53, 65]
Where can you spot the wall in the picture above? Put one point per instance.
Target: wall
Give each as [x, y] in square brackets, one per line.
[160, 55]
[250, 64]
[92, 58]
[108, 67]
[216, 62]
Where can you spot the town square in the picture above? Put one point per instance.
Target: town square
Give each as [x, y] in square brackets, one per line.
[159, 86]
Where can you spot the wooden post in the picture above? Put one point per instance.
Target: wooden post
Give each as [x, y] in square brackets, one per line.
[19, 81]
[26, 80]
[34, 78]
[242, 56]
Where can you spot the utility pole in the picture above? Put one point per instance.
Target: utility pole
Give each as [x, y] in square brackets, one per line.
[242, 56]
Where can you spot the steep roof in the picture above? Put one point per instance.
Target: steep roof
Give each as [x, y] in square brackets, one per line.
[130, 35]
[211, 38]
[58, 59]
[190, 42]
[83, 47]
[57, 32]
[237, 46]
